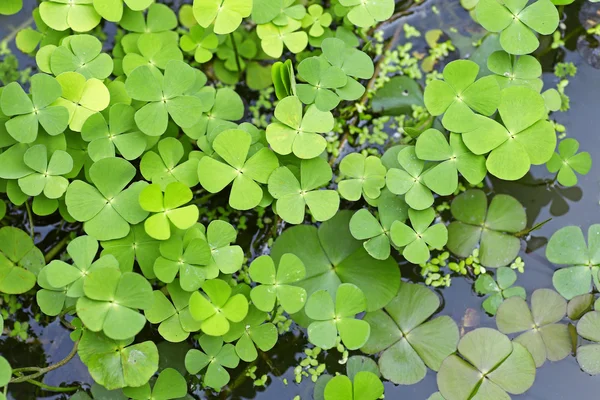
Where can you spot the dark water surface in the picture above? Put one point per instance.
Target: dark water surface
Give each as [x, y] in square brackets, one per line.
[575, 206]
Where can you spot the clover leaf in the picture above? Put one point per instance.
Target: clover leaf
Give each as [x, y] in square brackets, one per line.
[28, 113]
[332, 256]
[284, 80]
[228, 258]
[252, 332]
[108, 208]
[365, 13]
[215, 357]
[498, 290]
[118, 131]
[367, 176]
[77, 53]
[11, 7]
[98, 393]
[491, 365]
[46, 176]
[517, 22]
[111, 301]
[220, 108]
[138, 247]
[117, 364]
[174, 317]
[567, 161]
[329, 318]
[217, 307]
[543, 335]
[188, 257]
[453, 158]
[316, 19]
[276, 284]
[416, 240]
[512, 71]
[169, 385]
[294, 195]
[165, 96]
[460, 95]
[20, 261]
[81, 97]
[273, 38]
[28, 39]
[202, 42]
[587, 355]
[491, 228]
[527, 139]
[376, 232]
[82, 251]
[225, 15]
[51, 300]
[322, 81]
[229, 58]
[159, 18]
[355, 64]
[567, 247]
[408, 180]
[246, 173]
[78, 15]
[165, 167]
[153, 50]
[167, 209]
[298, 133]
[112, 10]
[408, 341]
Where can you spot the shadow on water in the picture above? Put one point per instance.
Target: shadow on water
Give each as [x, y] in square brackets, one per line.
[49, 342]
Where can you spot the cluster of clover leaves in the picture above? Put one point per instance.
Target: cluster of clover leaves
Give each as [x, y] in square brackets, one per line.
[128, 141]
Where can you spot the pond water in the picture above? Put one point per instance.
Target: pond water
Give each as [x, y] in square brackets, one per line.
[49, 343]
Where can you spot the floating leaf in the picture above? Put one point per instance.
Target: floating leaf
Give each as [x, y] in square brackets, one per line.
[215, 357]
[567, 161]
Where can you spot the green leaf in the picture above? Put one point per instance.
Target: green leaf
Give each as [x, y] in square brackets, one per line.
[20, 261]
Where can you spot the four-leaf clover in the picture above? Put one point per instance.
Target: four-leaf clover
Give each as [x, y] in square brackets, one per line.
[246, 172]
[367, 177]
[567, 161]
[329, 318]
[298, 133]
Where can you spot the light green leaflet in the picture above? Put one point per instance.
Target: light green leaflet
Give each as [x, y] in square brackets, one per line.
[224, 15]
[78, 15]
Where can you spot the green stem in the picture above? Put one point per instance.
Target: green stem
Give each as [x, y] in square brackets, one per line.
[237, 56]
[53, 388]
[57, 249]
[30, 217]
[14, 32]
[49, 368]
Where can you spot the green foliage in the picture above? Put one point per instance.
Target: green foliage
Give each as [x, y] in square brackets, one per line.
[274, 38]
[543, 335]
[487, 364]
[408, 341]
[224, 15]
[567, 161]
[251, 333]
[329, 319]
[367, 177]
[294, 193]
[167, 209]
[491, 228]
[284, 81]
[367, 13]
[79, 15]
[246, 171]
[518, 22]
[499, 289]
[10, 7]
[217, 307]
[165, 166]
[587, 355]
[567, 247]
[169, 385]
[20, 261]
[511, 70]
[276, 284]
[215, 357]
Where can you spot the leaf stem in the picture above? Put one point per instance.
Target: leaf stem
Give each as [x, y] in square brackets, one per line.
[53, 388]
[30, 217]
[47, 369]
[57, 249]
[237, 56]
